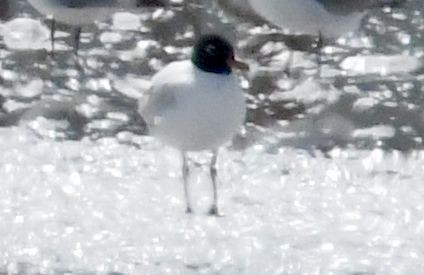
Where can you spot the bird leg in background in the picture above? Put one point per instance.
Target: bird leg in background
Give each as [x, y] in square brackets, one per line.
[186, 174]
[194, 11]
[52, 32]
[318, 46]
[77, 35]
[213, 173]
[289, 64]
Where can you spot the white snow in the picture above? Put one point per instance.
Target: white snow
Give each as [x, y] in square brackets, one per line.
[364, 104]
[25, 34]
[126, 21]
[110, 37]
[380, 64]
[377, 132]
[309, 91]
[101, 206]
[32, 89]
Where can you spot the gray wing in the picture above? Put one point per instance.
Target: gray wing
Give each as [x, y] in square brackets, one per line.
[241, 9]
[77, 4]
[158, 102]
[343, 7]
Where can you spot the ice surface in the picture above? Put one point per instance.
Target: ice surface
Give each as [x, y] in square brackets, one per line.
[25, 34]
[126, 21]
[383, 65]
[98, 207]
[310, 92]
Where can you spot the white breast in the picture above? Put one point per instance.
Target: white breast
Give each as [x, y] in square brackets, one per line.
[306, 17]
[194, 110]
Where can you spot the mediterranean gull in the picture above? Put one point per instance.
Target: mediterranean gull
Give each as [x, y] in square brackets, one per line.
[197, 105]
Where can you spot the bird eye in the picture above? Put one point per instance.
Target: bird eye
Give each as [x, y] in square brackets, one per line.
[211, 49]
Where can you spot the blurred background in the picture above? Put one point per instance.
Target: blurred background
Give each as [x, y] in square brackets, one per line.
[367, 92]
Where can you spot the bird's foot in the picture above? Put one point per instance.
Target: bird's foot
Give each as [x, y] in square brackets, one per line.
[51, 54]
[189, 210]
[287, 72]
[214, 212]
[79, 64]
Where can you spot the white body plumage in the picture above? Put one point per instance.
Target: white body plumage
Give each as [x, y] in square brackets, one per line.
[193, 110]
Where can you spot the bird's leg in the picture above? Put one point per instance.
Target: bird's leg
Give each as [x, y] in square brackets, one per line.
[289, 64]
[194, 14]
[319, 46]
[77, 36]
[186, 174]
[52, 32]
[213, 173]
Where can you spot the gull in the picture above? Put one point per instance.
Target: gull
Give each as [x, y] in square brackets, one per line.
[78, 13]
[323, 19]
[197, 105]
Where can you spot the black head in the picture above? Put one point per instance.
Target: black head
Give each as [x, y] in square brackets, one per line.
[214, 54]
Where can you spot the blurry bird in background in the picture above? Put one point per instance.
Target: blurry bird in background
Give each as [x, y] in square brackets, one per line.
[78, 13]
[321, 18]
[325, 20]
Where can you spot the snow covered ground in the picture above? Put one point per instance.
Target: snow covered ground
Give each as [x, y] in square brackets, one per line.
[101, 207]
